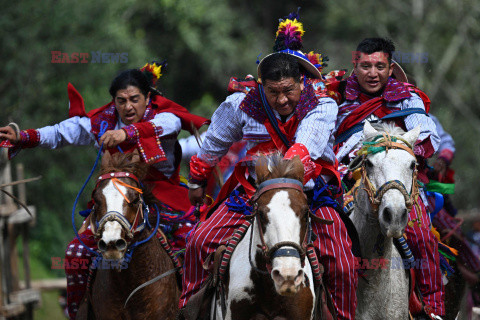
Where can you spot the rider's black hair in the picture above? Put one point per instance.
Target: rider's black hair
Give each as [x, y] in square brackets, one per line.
[131, 77]
[278, 66]
[371, 45]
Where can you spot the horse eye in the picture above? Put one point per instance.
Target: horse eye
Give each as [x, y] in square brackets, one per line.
[368, 163]
[413, 165]
[134, 202]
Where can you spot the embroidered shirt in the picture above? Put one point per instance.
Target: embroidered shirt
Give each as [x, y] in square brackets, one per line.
[78, 131]
[446, 148]
[428, 128]
[231, 124]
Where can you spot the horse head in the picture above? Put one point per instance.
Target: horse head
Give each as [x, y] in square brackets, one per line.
[118, 203]
[281, 212]
[389, 172]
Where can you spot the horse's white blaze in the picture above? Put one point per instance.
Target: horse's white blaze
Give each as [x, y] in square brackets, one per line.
[285, 228]
[284, 225]
[114, 202]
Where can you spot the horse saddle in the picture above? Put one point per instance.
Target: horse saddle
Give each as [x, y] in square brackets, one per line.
[199, 305]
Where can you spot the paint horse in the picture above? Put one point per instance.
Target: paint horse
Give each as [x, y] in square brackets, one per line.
[382, 203]
[119, 224]
[269, 276]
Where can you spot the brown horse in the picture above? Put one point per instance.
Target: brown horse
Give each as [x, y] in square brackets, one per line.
[269, 276]
[118, 223]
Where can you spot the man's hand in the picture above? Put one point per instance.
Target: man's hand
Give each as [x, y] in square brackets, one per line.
[440, 168]
[113, 138]
[8, 133]
[196, 196]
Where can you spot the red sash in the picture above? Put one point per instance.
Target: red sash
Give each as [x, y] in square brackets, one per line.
[275, 144]
[377, 107]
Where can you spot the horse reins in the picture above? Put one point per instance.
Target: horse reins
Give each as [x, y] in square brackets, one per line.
[375, 196]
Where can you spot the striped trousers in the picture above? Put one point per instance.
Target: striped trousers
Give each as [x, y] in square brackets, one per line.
[424, 246]
[333, 245]
[77, 273]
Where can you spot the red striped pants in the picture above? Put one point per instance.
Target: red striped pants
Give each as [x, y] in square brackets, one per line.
[77, 273]
[334, 250]
[424, 246]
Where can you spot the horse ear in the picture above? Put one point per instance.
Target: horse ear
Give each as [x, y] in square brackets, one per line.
[298, 168]
[412, 135]
[368, 130]
[261, 169]
[106, 158]
[136, 156]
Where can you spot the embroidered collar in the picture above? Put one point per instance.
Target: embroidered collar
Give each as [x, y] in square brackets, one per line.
[110, 115]
[394, 90]
[253, 107]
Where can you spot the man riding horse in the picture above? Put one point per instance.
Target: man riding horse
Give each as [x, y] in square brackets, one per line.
[371, 93]
[288, 110]
[138, 118]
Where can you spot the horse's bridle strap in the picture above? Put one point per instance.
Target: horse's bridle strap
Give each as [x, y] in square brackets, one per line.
[279, 183]
[117, 217]
[117, 175]
[395, 145]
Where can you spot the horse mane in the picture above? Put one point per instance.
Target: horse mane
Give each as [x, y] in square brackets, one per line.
[278, 167]
[384, 127]
[121, 162]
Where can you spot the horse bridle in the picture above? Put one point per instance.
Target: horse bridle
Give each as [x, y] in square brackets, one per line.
[130, 229]
[375, 195]
[278, 250]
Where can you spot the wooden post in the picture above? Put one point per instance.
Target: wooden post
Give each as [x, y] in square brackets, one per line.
[15, 302]
[25, 228]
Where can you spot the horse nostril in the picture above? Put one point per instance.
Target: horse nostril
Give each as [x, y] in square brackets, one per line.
[120, 244]
[102, 246]
[276, 276]
[387, 215]
[299, 278]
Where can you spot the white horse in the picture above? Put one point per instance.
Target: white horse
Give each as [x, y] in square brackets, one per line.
[382, 203]
[269, 276]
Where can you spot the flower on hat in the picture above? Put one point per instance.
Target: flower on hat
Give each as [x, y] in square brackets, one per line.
[317, 60]
[289, 34]
[153, 71]
[288, 40]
